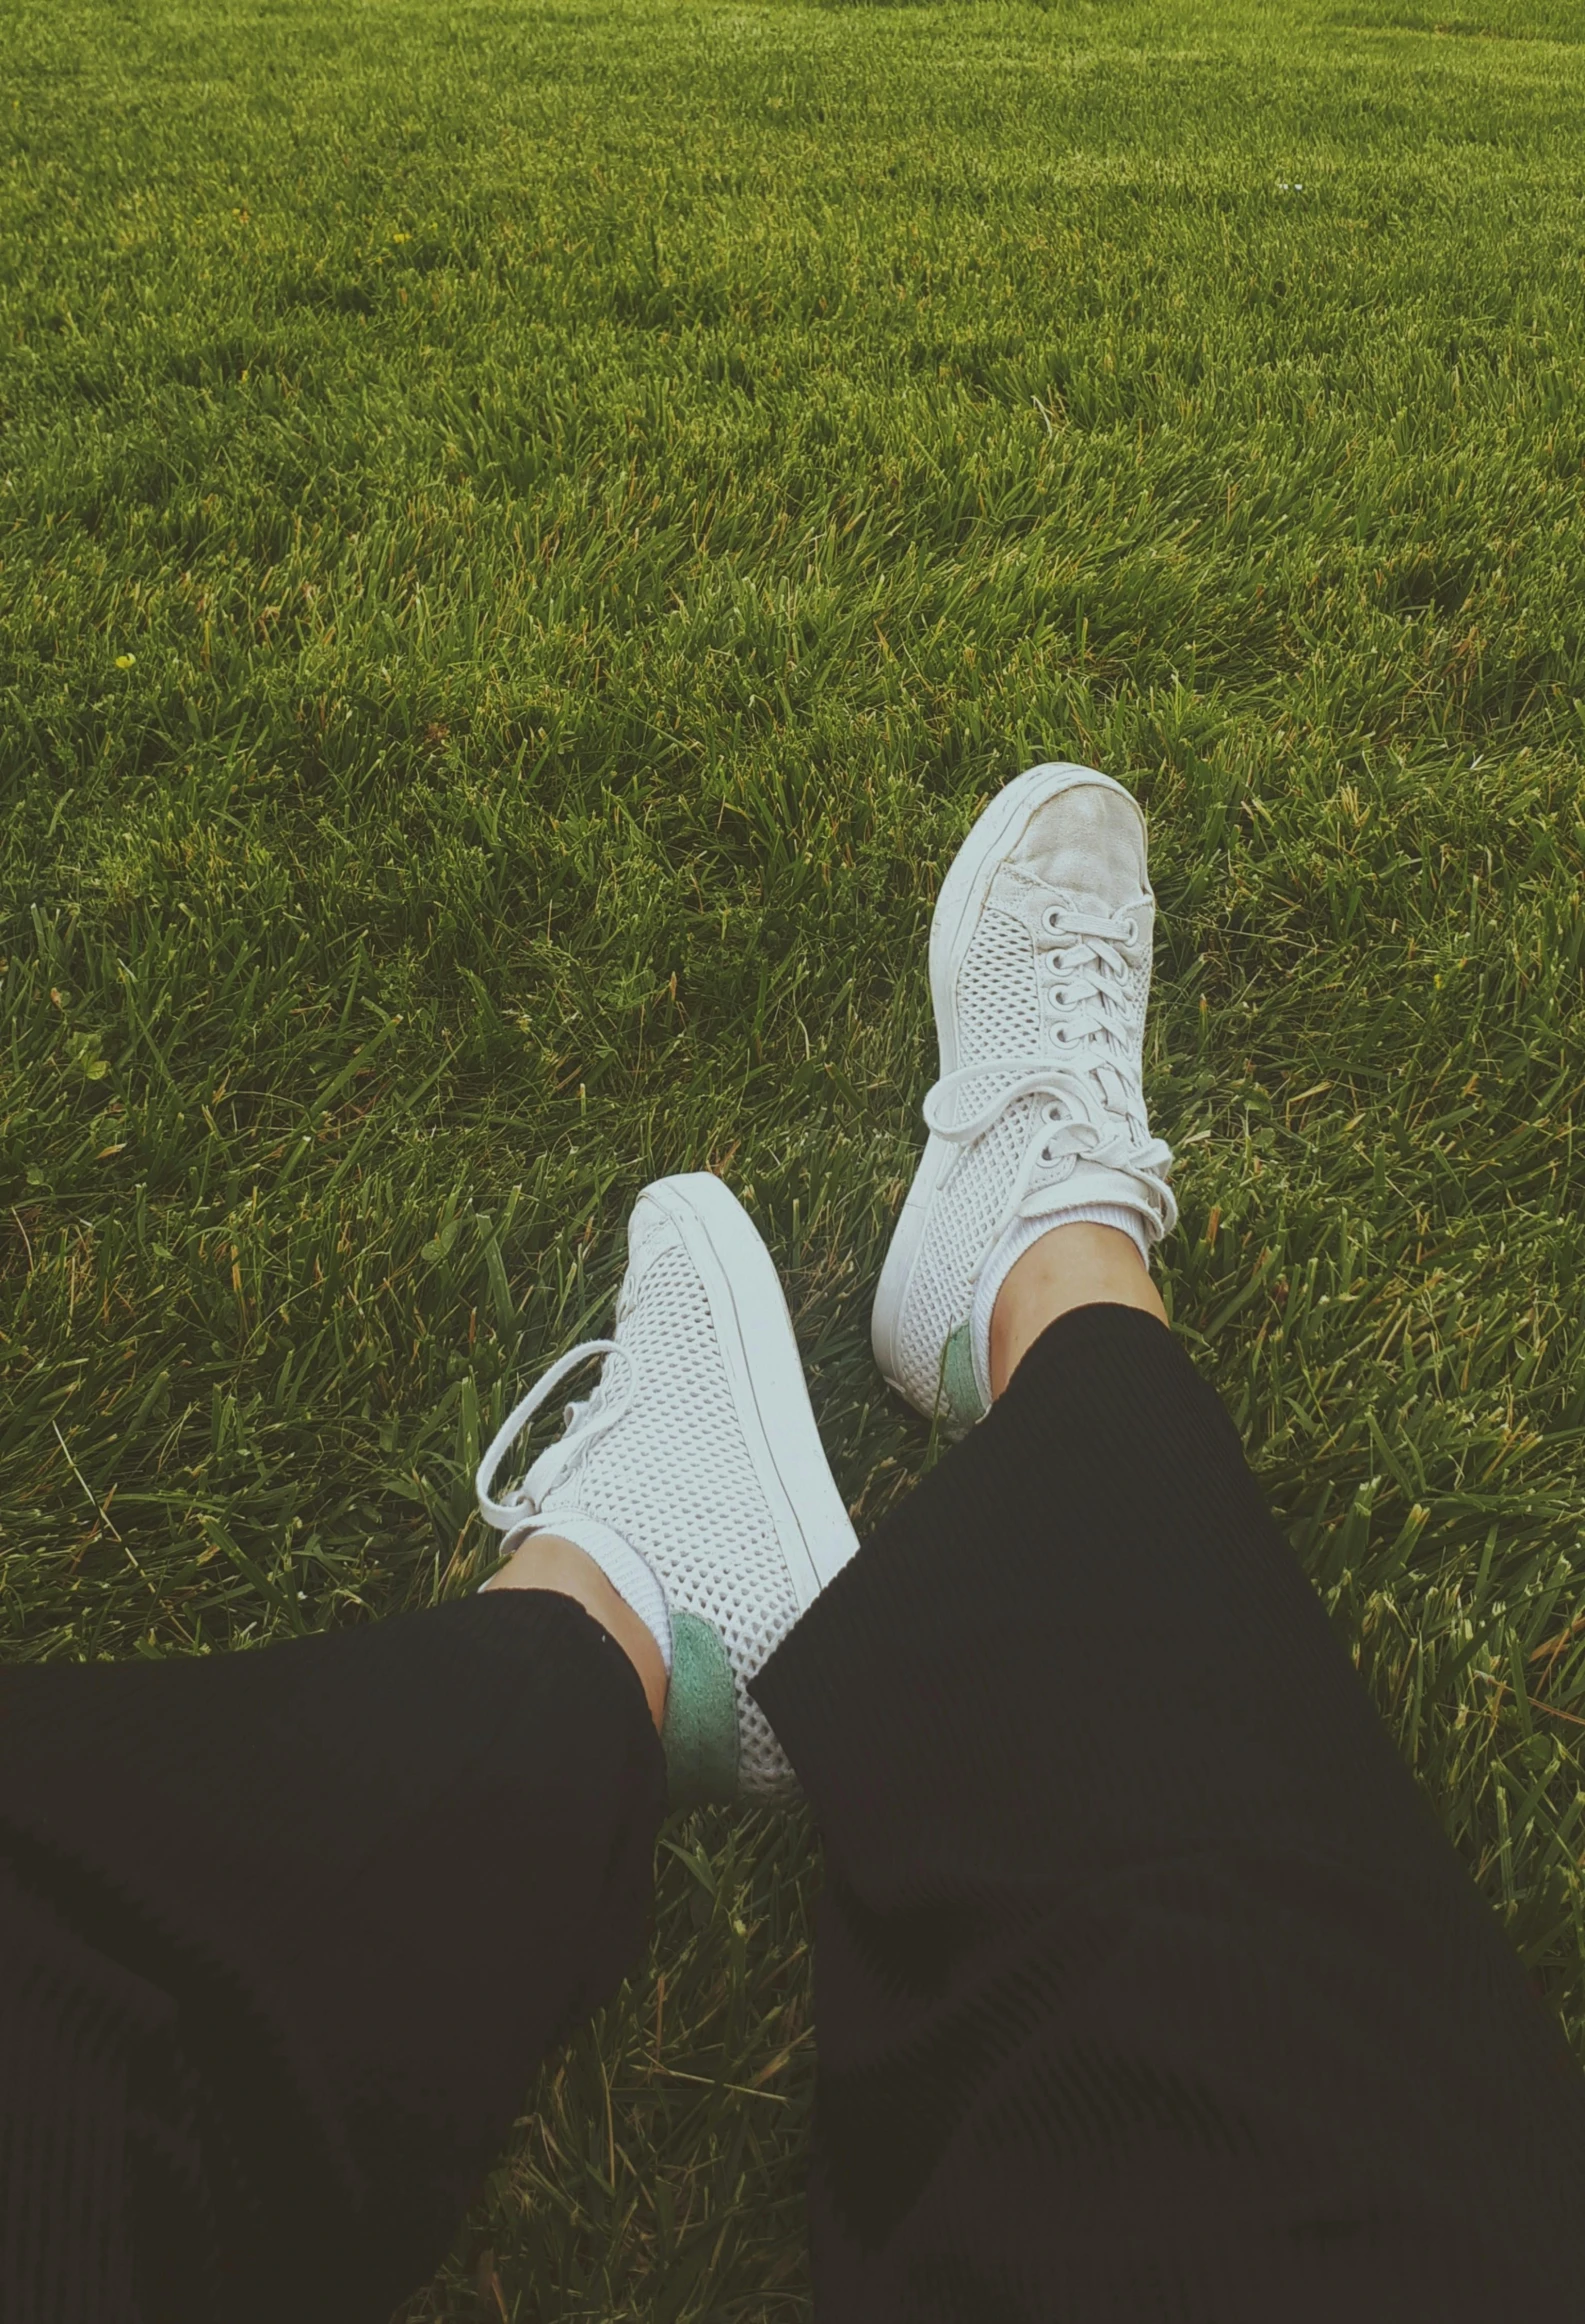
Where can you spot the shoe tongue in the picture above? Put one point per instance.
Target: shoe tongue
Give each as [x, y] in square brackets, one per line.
[1086, 843]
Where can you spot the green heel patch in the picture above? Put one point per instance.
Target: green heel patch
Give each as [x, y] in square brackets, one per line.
[699, 1733]
[958, 1384]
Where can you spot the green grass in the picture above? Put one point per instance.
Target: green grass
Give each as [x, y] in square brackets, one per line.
[526, 533]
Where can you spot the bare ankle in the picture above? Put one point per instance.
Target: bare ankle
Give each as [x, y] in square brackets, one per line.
[546, 1562]
[1073, 1266]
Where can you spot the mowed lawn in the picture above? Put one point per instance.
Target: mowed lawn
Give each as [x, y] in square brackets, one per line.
[527, 532]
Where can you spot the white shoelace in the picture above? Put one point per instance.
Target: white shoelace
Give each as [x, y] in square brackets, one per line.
[1085, 963]
[586, 1421]
[1085, 1115]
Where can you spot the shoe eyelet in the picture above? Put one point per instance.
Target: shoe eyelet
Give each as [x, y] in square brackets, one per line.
[1051, 919]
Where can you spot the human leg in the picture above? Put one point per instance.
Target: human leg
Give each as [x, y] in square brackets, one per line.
[1072, 1266]
[250, 2064]
[1146, 1985]
[545, 1561]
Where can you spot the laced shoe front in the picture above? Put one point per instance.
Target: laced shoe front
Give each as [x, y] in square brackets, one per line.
[1040, 973]
[696, 1452]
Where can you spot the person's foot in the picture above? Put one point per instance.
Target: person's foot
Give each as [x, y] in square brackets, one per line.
[1040, 974]
[693, 1476]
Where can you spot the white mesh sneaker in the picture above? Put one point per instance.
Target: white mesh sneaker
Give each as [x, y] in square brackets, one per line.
[697, 1454]
[1040, 974]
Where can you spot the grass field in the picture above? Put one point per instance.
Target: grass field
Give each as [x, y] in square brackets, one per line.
[526, 533]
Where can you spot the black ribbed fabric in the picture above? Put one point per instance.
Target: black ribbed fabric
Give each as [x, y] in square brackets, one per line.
[1146, 1986]
[282, 1935]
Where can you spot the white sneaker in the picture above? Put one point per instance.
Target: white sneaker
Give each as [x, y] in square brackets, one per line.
[1040, 973]
[696, 1465]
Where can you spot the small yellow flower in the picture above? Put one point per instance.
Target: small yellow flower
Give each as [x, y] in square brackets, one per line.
[401, 238]
[125, 661]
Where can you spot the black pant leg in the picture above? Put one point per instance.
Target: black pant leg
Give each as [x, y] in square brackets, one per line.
[284, 1935]
[1147, 1987]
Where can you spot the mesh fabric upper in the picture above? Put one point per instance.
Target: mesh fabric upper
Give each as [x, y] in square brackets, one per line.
[675, 1478]
[999, 1021]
